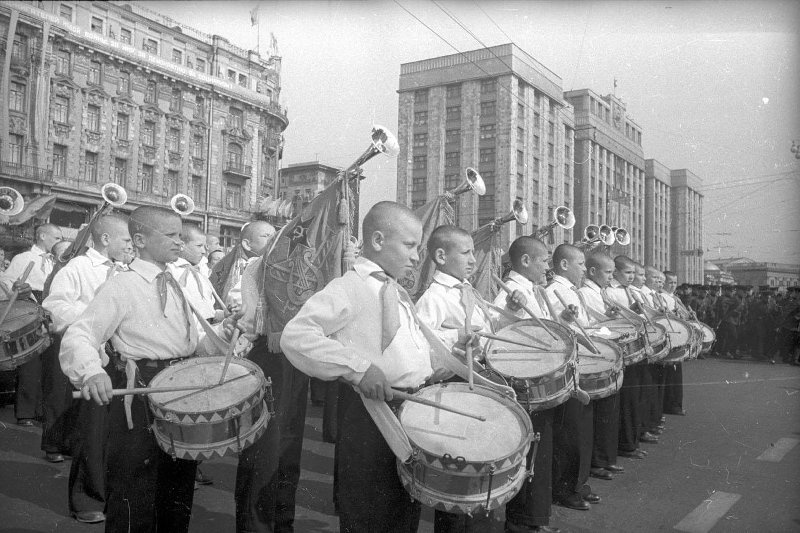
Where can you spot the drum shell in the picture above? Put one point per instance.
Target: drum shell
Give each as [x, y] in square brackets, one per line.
[659, 342]
[678, 351]
[225, 430]
[458, 485]
[708, 339]
[604, 383]
[24, 339]
[632, 341]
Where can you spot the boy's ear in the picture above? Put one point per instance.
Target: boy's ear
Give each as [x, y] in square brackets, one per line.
[138, 240]
[439, 256]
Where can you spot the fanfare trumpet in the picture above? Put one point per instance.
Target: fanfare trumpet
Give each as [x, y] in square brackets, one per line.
[563, 218]
[113, 196]
[472, 182]
[383, 142]
[594, 235]
[11, 202]
[182, 204]
[518, 213]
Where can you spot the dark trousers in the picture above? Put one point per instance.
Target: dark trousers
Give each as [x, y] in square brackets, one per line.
[657, 407]
[292, 417]
[606, 431]
[673, 388]
[369, 493]
[87, 471]
[531, 506]
[647, 393]
[146, 489]
[256, 473]
[572, 447]
[59, 418]
[29, 389]
[629, 408]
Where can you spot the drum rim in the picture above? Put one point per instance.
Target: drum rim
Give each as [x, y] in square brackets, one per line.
[616, 365]
[519, 412]
[684, 323]
[162, 411]
[563, 331]
[38, 317]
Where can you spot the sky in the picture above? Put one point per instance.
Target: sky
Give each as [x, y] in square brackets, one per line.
[714, 86]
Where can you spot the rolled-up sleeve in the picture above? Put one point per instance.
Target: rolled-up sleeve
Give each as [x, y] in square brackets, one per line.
[307, 342]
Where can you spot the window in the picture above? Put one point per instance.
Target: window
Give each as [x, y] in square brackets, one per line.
[452, 136]
[175, 100]
[535, 187]
[420, 140]
[174, 140]
[487, 131]
[65, 12]
[122, 127]
[420, 118]
[97, 25]
[537, 99]
[197, 146]
[231, 76]
[454, 91]
[488, 86]
[94, 73]
[16, 96]
[199, 107]
[150, 46]
[421, 97]
[454, 112]
[234, 156]
[120, 171]
[536, 142]
[19, 50]
[93, 118]
[487, 155]
[90, 167]
[452, 160]
[550, 172]
[420, 162]
[242, 80]
[236, 118]
[485, 209]
[520, 160]
[229, 236]
[233, 195]
[124, 84]
[151, 92]
[61, 109]
[197, 187]
[63, 60]
[149, 133]
[171, 183]
[125, 35]
[520, 112]
[177, 56]
[520, 136]
[200, 64]
[59, 160]
[536, 163]
[147, 178]
[550, 150]
[487, 109]
[550, 193]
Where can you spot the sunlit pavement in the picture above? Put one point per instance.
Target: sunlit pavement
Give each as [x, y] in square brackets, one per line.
[731, 464]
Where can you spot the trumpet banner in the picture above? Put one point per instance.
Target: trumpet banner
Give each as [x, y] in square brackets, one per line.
[306, 256]
[488, 260]
[433, 214]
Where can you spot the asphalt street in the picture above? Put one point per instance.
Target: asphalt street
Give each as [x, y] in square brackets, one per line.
[731, 464]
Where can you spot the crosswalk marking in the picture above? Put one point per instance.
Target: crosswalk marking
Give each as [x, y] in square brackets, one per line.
[706, 515]
[777, 451]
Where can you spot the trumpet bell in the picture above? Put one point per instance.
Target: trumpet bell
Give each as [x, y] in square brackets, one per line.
[564, 217]
[519, 212]
[622, 236]
[11, 202]
[182, 204]
[475, 181]
[606, 235]
[591, 232]
[114, 194]
[384, 141]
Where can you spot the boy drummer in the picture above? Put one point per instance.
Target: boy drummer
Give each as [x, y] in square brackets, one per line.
[145, 315]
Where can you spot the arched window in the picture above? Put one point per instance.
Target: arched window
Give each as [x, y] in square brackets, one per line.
[234, 156]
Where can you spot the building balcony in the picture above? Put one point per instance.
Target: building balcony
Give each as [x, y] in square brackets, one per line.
[238, 169]
[25, 172]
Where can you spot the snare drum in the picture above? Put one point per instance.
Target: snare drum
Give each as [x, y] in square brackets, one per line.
[23, 334]
[709, 337]
[459, 464]
[600, 374]
[659, 342]
[681, 336]
[541, 378]
[630, 337]
[222, 420]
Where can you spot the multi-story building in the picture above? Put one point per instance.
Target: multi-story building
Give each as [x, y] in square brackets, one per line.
[499, 111]
[686, 231]
[657, 215]
[100, 92]
[747, 271]
[609, 168]
[301, 182]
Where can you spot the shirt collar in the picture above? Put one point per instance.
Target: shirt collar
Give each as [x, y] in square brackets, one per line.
[592, 285]
[447, 280]
[36, 250]
[616, 284]
[647, 290]
[181, 262]
[521, 280]
[146, 269]
[96, 257]
[562, 280]
[365, 267]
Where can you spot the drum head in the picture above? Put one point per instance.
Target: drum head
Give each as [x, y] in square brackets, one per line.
[520, 362]
[617, 325]
[680, 332]
[22, 313]
[609, 358]
[439, 432]
[205, 372]
[708, 333]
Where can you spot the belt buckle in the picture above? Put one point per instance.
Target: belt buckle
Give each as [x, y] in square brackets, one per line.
[174, 361]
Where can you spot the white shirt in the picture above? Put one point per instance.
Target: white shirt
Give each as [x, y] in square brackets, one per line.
[648, 295]
[593, 298]
[198, 290]
[617, 293]
[42, 267]
[669, 300]
[536, 303]
[337, 334]
[203, 266]
[74, 286]
[234, 296]
[440, 309]
[565, 290]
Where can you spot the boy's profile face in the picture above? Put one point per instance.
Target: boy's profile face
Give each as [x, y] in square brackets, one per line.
[625, 276]
[194, 247]
[458, 259]
[601, 274]
[536, 267]
[638, 277]
[395, 249]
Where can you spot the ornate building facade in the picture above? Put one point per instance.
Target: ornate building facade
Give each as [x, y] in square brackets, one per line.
[100, 92]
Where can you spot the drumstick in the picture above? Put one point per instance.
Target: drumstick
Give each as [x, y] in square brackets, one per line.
[527, 309]
[15, 292]
[156, 390]
[664, 305]
[411, 398]
[612, 305]
[229, 356]
[583, 331]
[510, 341]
